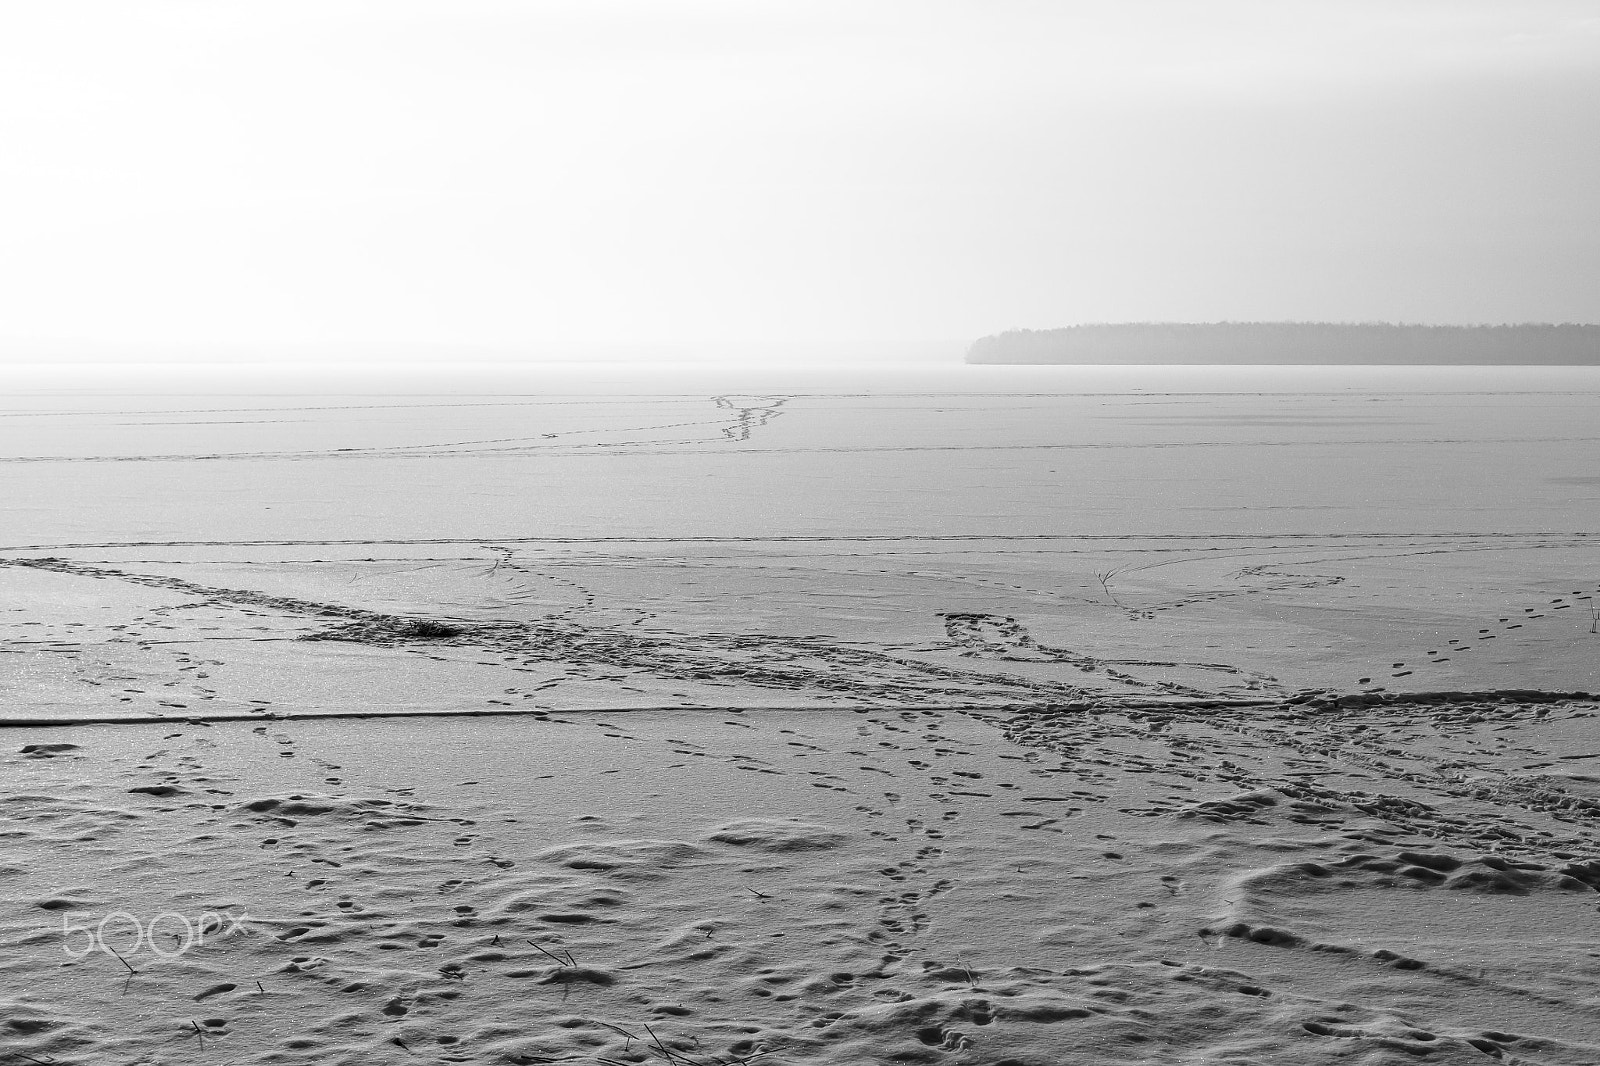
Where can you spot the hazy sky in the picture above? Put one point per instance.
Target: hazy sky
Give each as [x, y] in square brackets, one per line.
[693, 175]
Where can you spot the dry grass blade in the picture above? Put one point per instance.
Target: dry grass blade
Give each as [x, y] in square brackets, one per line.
[559, 961]
[670, 1055]
[619, 1029]
[676, 1058]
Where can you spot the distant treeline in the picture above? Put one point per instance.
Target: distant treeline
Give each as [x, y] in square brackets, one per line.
[1295, 343]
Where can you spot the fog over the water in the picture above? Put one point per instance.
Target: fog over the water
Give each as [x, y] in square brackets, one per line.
[623, 179]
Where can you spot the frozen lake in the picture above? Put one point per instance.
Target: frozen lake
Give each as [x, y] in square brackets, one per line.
[1020, 713]
[965, 534]
[958, 450]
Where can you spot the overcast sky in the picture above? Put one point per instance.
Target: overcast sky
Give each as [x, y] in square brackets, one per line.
[727, 176]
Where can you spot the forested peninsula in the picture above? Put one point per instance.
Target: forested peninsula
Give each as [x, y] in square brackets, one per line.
[1295, 343]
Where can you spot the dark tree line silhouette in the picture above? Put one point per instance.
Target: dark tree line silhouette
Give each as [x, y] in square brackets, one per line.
[1302, 343]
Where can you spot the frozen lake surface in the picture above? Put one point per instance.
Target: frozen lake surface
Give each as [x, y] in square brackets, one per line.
[981, 715]
[965, 534]
[968, 450]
